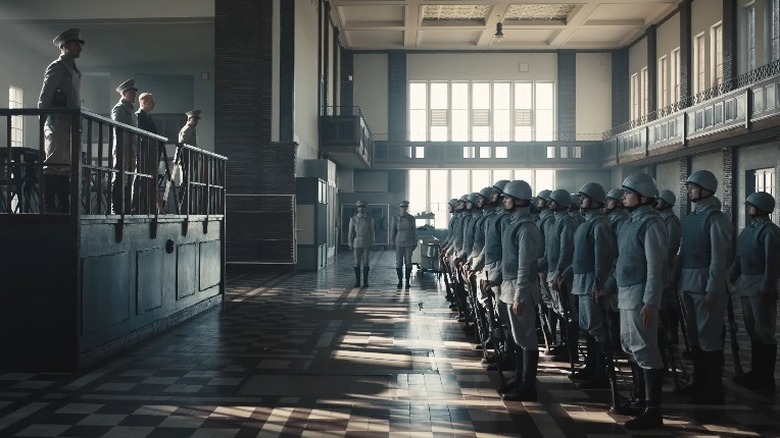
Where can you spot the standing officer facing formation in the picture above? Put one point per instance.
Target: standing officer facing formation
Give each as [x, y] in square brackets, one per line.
[124, 112]
[361, 238]
[189, 133]
[61, 89]
[704, 259]
[639, 275]
[403, 234]
[756, 267]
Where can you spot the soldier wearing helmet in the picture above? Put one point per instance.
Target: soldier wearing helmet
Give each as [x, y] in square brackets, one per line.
[756, 267]
[616, 212]
[705, 253]
[545, 222]
[474, 212]
[485, 208]
[574, 209]
[403, 235]
[361, 238]
[671, 308]
[455, 239]
[594, 247]
[639, 274]
[519, 293]
[559, 250]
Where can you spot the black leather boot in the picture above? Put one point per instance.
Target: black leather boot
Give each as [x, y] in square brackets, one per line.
[698, 379]
[636, 405]
[408, 276]
[712, 391]
[512, 387]
[357, 276]
[365, 276]
[399, 272]
[598, 378]
[763, 379]
[527, 390]
[651, 417]
[591, 352]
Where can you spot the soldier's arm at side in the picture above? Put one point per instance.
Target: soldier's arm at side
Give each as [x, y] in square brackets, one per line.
[51, 80]
[528, 252]
[351, 233]
[566, 247]
[771, 245]
[656, 243]
[720, 241]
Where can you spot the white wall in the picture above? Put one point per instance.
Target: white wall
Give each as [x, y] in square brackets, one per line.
[369, 81]
[306, 85]
[637, 58]
[486, 66]
[667, 39]
[594, 92]
[372, 181]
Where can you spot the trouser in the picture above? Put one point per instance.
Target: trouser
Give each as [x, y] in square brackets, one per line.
[361, 256]
[638, 341]
[592, 317]
[403, 257]
[705, 327]
[523, 326]
[760, 315]
[124, 192]
[56, 193]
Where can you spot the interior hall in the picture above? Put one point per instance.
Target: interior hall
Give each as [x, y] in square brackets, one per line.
[184, 185]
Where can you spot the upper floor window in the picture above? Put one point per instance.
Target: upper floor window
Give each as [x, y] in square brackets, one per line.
[635, 96]
[643, 87]
[481, 111]
[700, 63]
[675, 75]
[716, 36]
[16, 100]
[750, 37]
[663, 79]
[774, 19]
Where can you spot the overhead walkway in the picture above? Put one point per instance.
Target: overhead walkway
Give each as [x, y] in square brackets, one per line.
[309, 355]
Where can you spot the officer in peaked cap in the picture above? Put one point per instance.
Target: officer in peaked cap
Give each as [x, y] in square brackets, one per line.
[361, 238]
[188, 134]
[403, 234]
[60, 89]
[124, 112]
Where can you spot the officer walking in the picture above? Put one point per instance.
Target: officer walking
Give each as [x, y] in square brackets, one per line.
[403, 234]
[671, 307]
[639, 273]
[361, 238]
[61, 89]
[756, 267]
[126, 145]
[705, 259]
[519, 294]
[594, 253]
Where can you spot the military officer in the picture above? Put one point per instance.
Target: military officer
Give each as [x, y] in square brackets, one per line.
[671, 308]
[757, 267]
[594, 253]
[519, 294]
[126, 145]
[403, 234]
[61, 89]
[704, 261]
[361, 238]
[559, 250]
[189, 134]
[639, 273]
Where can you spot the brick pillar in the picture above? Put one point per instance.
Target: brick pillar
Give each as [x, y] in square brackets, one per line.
[347, 67]
[686, 54]
[396, 95]
[620, 87]
[730, 35]
[652, 68]
[567, 95]
[683, 204]
[286, 70]
[729, 183]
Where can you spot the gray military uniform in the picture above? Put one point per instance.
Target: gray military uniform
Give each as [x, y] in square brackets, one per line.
[756, 269]
[546, 224]
[489, 259]
[188, 135]
[704, 259]
[639, 274]
[403, 234]
[361, 237]
[521, 244]
[62, 75]
[559, 251]
[673, 229]
[594, 248]
[126, 142]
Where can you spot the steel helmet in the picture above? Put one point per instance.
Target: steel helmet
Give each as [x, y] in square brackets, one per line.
[762, 201]
[453, 202]
[500, 184]
[668, 197]
[544, 194]
[594, 191]
[704, 179]
[616, 194]
[641, 183]
[464, 198]
[562, 197]
[403, 204]
[473, 197]
[518, 189]
[486, 193]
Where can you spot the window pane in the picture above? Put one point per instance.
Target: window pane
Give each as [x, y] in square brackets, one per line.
[416, 192]
[438, 133]
[501, 129]
[480, 94]
[417, 94]
[439, 95]
[501, 95]
[544, 95]
[460, 125]
[500, 174]
[460, 95]
[417, 125]
[419, 152]
[438, 189]
[459, 181]
[480, 179]
[485, 151]
[526, 175]
[469, 152]
[501, 152]
[480, 133]
[544, 125]
[545, 179]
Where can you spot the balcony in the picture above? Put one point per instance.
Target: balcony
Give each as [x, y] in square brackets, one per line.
[345, 137]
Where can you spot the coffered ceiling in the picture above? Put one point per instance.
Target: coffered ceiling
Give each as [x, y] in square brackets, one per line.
[472, 25]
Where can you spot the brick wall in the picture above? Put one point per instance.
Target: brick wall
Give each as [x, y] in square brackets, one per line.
[683, 204]
[729, 39]
[686, 55]
[652, 67]
[620, 87]
[396, 95]
[728, 183]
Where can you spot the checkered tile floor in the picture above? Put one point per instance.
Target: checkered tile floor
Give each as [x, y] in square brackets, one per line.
[308, 355]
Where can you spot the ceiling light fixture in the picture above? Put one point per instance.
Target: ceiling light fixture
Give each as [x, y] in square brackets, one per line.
[499, 32]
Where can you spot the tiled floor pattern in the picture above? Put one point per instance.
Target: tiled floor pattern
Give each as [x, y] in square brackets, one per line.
[308, 355]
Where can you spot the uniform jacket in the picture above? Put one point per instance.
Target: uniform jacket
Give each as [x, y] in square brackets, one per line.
[124, 112]
[188, 135]
[521, 245]
[403, 231]
[594, 253]
[545, 223]
[491, 250]
[757, 263]
[643, 250]
[479, 233]
[361, 231]
[559, 244]
[705, 249]
[61, 75]
[145, 121]
[673, 229]
[456, 233]
[469, 218]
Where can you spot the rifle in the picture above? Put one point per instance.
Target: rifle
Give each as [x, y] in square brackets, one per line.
[738, 371]
[674, 362]
[571, 344]
[613, 384]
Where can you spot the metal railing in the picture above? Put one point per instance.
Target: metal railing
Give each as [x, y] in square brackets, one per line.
[122, 170]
